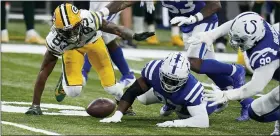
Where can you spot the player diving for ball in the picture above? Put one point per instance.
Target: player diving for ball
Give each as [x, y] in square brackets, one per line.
[172, 84]
[74, 33]
[249, 32]
[195, 17]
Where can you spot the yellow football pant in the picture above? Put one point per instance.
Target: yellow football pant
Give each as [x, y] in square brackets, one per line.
[73, 61]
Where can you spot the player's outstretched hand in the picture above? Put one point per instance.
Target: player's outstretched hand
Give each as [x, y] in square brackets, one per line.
[143, 36]
[199, 38]
[34, 110]
[183, 20]
[114, 119]
[216, 96]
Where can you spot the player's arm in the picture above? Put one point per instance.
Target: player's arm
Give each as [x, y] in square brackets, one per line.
[123, 32]
[46, 68]
[138, 87]
[199, 117]
[116, 6]
[210, 8]
[260, 79]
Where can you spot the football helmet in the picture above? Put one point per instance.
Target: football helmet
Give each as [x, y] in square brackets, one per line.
[174, 72]
[67, 22]
[246, 29]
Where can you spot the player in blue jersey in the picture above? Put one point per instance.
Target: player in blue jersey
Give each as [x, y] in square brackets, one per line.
[114, 50]
[195, 17]
[172, 84]
[260, 40]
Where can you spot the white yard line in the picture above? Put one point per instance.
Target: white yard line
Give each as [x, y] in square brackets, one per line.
[29, 128]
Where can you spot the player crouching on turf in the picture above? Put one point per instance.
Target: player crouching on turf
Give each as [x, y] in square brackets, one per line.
[74, 33]
[173, 85]
[249, 32]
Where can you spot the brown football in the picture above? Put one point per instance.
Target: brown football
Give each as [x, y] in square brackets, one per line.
[101, 107]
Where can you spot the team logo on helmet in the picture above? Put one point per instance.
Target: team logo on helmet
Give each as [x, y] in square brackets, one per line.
[75, 9]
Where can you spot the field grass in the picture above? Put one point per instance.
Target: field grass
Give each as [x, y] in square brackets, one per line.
[19, 72]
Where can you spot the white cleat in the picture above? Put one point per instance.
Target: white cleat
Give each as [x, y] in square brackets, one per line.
[166, 111]
[276, 131]
[128, 80]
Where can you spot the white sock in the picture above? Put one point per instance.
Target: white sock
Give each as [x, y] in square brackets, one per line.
[175, 30]
[233, 70]
[138, 24]
[151, 28]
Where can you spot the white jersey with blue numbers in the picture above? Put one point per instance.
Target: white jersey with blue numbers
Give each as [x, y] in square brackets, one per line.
[265, 51]
[187, 8]
[189, 95]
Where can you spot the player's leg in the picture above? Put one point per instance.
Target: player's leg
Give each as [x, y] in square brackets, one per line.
[86, 68]
[224, 75]
[4, 31]
[100, 61]
[266, 108]
[72, 63]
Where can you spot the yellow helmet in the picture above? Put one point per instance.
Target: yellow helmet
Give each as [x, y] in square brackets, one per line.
[67, 22]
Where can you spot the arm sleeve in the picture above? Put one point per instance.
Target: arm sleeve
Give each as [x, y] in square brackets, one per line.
[199, 117]
[221, 30]
[260, 79]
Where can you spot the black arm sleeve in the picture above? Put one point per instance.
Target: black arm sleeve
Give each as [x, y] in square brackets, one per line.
[132, 92]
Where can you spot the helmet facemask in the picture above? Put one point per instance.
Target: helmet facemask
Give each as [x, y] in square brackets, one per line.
[72, 35]
[240, 42]
[171, 84]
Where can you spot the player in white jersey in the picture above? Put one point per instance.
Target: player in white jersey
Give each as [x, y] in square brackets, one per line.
[74, 33]
[114, 49]
[249, 32]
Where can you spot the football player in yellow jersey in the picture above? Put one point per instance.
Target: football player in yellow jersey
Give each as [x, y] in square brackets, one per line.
[74, 33]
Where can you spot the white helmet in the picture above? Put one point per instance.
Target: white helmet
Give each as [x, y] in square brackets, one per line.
[246, 29]
[174, 72]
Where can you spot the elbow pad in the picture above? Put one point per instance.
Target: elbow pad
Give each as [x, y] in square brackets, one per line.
[132, 92]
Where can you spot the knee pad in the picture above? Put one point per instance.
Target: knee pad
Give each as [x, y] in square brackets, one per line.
[115, 90]
[72, 91]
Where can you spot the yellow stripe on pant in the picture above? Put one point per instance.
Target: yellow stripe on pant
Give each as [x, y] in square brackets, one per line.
[99, 58]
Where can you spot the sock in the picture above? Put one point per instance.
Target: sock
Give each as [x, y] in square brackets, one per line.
[246, 102]
[118, 59]
[269, 117]
[151, 28]
[28, 13]
[138, 25]
[3, 15]
[87, 65]
[221, 81]
[175, 31]
[211, 66]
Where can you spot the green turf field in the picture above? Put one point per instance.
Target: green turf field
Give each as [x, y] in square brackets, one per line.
[19, 72]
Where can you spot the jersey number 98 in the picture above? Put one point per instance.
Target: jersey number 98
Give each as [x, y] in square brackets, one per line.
[264, 61]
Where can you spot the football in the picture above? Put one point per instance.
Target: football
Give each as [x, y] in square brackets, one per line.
[101, 107]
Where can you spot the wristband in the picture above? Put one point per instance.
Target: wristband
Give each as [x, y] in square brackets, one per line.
[104, 11]
[198, 16]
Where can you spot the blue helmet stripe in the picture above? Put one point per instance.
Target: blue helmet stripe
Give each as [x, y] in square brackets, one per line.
[176, 61]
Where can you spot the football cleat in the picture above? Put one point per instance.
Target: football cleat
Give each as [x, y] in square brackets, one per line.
[127, 80]
[176, 40]
[4, 36]
[221, 107]
[244, 114]
[239, 76]
[165, 110]
[32, 37]
[276, 131]
[153, 40]
[34, 110]
[59, 92]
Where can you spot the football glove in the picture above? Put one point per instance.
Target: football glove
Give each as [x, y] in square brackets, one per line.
[216, 96]
[34, 110]
[149, 6]
[115, 118]
[143, 36]
[199, 38]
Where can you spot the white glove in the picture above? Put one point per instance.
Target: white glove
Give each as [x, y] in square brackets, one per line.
[199, 38]
[115, 118]
[183, 20]
[175, 123]
[217, 96]
[149, 5]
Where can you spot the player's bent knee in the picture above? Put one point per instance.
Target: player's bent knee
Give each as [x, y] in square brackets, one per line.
[254, 116]
[143, 99]
[72, 91]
